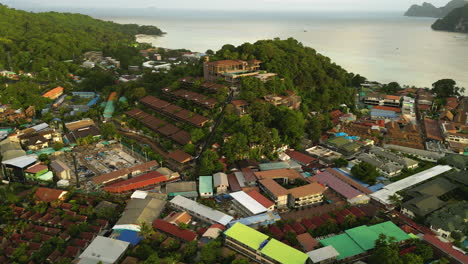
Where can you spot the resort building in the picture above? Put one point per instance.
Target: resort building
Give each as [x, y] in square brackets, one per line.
[229, 70]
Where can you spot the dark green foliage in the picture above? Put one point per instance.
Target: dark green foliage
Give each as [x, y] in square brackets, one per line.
[40, 42]
[108, 130]
[23, 94]
[365, 172]
[311, 74]
[446, 88]
[210, 163]
[211, 252]
[453, 20]
[391, 88]
[340, 162]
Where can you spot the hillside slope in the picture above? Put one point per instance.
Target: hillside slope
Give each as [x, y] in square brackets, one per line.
[36, 41]
[455, 21]
[429, 10]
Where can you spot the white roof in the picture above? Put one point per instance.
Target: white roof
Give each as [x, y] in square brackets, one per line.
[322, 254]
[240, 178]
[139, 194]
[205, 211]
[383, 195]
[21, 162]
[131, 227]
[104, 249]
[220, 179]
[63, 183]
[248, 202]
[40, 127]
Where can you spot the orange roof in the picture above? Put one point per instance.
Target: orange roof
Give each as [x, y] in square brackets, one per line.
[180, 156]
[275, 188]
[392, 97]
[54, 92]
[307, 190]
[277, 174]
[112, 96]
[386, 108]
[48, 195]
[261, 199]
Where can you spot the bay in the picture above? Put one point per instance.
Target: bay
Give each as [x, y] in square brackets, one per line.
[383, 47]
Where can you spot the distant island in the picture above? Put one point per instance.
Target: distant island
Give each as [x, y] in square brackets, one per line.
[429, 10]
[455, 21]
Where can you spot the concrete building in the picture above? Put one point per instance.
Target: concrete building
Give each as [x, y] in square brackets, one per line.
[246, 205]
[260, 248]
[103, 250]
[220, 181]
[200, 211]
[229, 70]
[205, 186]
[61, 170]
[387, 168]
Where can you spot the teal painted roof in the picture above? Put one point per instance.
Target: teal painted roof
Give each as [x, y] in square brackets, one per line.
[205, 184]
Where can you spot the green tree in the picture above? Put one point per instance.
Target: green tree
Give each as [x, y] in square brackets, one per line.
[424, 251]
[211, 252]
[340, 162]
[446, 88]
[209, 163]
[146, 230]
[365, 172]
[190, 251]
[108, 130]
[57, 146]
[240, 261]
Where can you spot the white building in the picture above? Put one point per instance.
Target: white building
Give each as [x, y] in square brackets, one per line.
[103, 250]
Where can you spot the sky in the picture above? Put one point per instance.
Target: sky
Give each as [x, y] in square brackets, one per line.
[278, 5]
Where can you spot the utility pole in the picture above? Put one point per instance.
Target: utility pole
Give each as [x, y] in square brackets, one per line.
[76, 171]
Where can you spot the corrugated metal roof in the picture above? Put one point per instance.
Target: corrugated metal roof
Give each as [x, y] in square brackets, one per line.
[104, 249]
[248, 202]
[21, 162]
[205, 211]
[337, 185]
[384, 194]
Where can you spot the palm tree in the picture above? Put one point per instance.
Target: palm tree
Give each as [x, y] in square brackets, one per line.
[146, 230]
[396, 200]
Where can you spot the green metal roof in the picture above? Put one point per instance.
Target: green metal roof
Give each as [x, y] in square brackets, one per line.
[206, 184]
[362, 238]
[283, 253]
[344, 245]
[338, 141]
[246, 235]
[273, 166]
[390, 230]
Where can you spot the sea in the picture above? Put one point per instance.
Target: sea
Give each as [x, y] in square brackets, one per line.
[382, 46]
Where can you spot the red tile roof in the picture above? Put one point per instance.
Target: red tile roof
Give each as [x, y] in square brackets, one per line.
[447, 248]
[48, 195]
[180, 156]
[261, 199]
[54, 93]
[387, 108]
[142, 181]
[300, 157]
[36, 168]
[393, 97]
[433, 130]
[173, 230]
[307, 223]
[248, 175]
[276, 232]
[307, 242]
[298, 228]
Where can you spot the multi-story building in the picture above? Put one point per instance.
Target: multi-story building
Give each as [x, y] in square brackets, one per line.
[221, 183]
[205, 186]
[230, 70]
[261, 248]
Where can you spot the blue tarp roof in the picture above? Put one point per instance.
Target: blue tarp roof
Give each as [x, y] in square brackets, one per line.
[130, 237]
[376, 187]
[349, 176]
[93, 101]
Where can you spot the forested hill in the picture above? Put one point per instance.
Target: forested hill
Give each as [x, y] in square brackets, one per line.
[37, 40]
[429, 10]
[456, 21]
[322, 84]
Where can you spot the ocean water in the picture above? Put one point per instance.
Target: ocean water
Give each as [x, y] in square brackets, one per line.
[383, 47]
